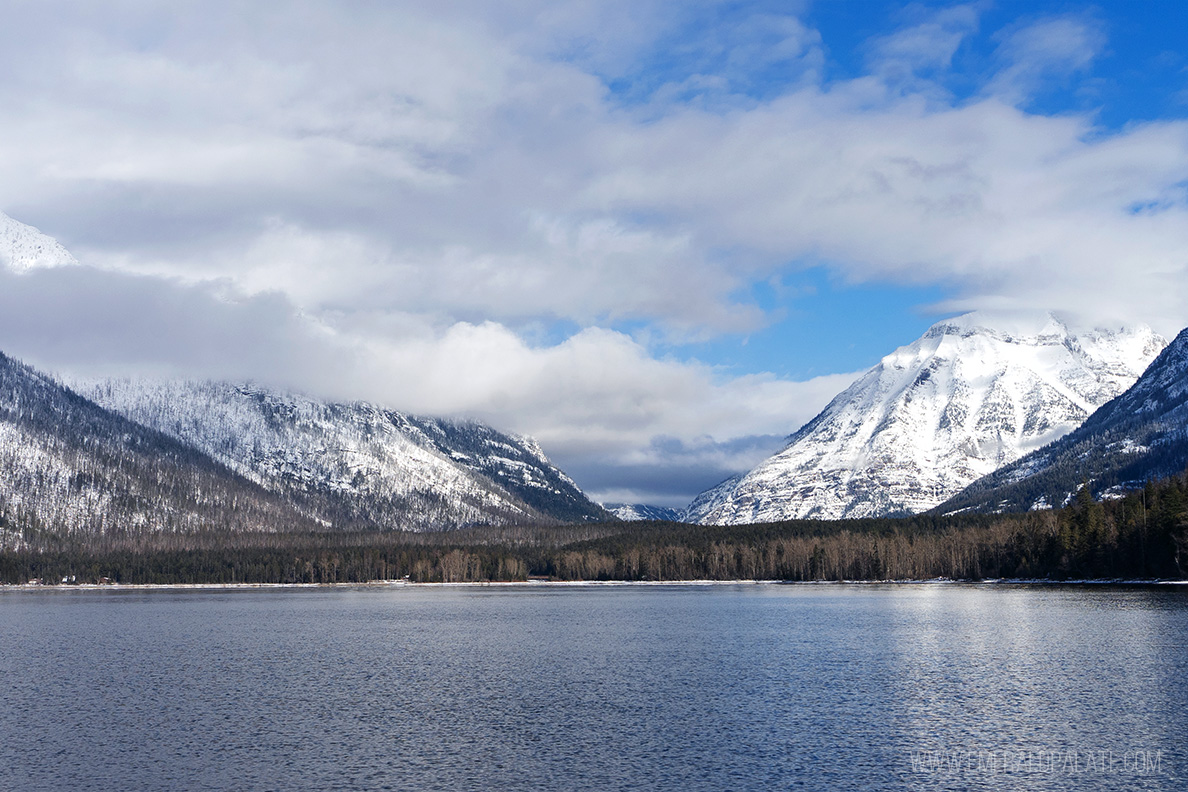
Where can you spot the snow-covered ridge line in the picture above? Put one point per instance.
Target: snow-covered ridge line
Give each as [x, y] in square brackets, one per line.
[70, 466]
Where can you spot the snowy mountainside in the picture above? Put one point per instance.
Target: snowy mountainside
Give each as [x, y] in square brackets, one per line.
[72, 467]
[972, 394]
[713, 499]
[515, 462]
[23, 247]
[637, 512]
[1141, 435]
[356, 465]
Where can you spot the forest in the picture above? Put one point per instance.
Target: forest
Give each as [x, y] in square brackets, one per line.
[1143, 535]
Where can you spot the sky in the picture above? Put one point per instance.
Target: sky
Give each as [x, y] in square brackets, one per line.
[657, 236]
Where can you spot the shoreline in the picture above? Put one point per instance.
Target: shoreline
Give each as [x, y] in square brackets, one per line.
[396, 584]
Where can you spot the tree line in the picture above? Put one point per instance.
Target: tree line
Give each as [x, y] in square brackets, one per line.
[1143, 535]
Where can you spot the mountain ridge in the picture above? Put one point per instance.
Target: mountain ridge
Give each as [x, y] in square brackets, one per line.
[268, 462]
[935, 415]
[640, 512]
[356, 463]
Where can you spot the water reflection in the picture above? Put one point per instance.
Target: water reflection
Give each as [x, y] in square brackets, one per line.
[1037, 685]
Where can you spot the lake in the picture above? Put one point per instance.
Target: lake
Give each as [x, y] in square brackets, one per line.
[604, 687]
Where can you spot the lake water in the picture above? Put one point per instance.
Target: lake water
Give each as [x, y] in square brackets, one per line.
[747, 687]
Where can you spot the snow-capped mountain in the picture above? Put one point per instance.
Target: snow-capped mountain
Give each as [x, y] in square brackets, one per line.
[356, 465]
[68, 466]
[23, 247]
[971, 395]
[1141, 435]
[637, 512]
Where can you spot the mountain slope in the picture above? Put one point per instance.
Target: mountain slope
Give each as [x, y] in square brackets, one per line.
[1141, 435]
[972, 394]
[713, 501]
[357, 465]
[71, 467]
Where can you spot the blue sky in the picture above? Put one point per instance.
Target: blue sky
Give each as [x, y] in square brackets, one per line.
[657, 236]
[1138, 74]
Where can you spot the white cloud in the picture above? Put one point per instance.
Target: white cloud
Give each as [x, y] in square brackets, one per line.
[598, 397]
[597, 391]
[926, 46]
[408, 158]
[380, 200]
[1048, 49]
[984, 197]
[95, 323]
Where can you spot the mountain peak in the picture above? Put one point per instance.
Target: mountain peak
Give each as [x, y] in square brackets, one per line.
[23, 248]
[970, 395]
[1008, 324]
